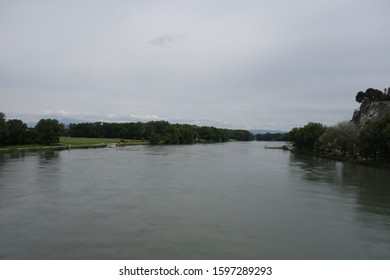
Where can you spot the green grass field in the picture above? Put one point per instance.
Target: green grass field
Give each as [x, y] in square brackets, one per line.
[74, 142]
[96, 141]
[87, 141]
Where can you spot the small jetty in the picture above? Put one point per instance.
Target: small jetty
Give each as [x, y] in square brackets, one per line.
[287, 147]
[275, 147]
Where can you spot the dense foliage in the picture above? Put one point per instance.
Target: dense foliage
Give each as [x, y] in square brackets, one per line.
[272, 137]
[342, 139]
[372, 95]
[375, 138]
[3, 129]
[158, 132]
[48, 131]
[346, 139]
[306, 138]
[15, 132]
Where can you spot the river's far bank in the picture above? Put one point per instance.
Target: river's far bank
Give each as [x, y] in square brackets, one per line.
[70, 143]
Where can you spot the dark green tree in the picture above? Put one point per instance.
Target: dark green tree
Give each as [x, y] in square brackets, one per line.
[272, 137]
[206, 133]
[16, 132]
[307, 137]
[155, 139]
[172, 135]
[32, 136]
[374, 140]
[3, 129]
[49, 131]
[370, 95]
[188, 134]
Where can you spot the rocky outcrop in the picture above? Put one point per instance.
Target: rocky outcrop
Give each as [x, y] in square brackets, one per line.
[371, 111]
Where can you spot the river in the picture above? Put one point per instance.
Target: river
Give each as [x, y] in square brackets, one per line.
[204, 201]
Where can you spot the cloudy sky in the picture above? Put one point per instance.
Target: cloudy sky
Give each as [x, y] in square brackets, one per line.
[264, 64]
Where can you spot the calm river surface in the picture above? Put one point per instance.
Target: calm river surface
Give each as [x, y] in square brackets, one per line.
[217, 201]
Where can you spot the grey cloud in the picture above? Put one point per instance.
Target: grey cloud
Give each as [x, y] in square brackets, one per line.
[255, 64]
[167, 40]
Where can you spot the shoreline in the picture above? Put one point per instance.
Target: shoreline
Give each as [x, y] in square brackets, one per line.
[66, 146]
[362, 162]
[62, 147]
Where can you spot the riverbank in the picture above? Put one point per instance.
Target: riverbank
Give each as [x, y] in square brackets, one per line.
[359, 161]
[70, 143]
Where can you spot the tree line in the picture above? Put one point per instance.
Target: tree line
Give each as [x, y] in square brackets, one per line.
[158, 132]
[16, 132]
[272, 137]
[48, 131]
[346, 139]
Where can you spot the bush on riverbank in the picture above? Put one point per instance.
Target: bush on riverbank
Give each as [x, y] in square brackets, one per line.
[346, 141]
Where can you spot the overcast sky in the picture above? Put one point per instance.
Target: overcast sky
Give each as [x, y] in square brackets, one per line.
[264, 64]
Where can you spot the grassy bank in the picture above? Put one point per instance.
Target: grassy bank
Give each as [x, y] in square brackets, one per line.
[72, 143]
[99, 141]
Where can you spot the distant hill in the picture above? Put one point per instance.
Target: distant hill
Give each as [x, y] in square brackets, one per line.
[264, 131]
[65, 121]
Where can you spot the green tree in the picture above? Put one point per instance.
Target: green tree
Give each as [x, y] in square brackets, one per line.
[370, 95]
[188, 134]
[328, 141]
[3, 129]
[16, 132]
[272, 137]
[154, 139]
[49, 131]
[32, 136]
[341, 139]
[206, 133]
[307, 137]
[172, 135]
[374, 140]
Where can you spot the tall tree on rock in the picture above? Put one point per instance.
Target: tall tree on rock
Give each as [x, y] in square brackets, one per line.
[370, 95]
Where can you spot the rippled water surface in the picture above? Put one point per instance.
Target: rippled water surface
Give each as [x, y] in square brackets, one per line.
[216, 201]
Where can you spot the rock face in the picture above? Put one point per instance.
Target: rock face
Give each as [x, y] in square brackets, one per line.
[371, 111]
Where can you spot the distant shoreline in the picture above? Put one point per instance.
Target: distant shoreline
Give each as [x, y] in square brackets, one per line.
[70, 143]
[76, 143]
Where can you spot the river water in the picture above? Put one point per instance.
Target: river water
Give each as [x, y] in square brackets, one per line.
[215, 201]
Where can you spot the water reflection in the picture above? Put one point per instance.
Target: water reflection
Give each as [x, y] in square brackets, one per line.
[48, 155]
[317, 169]
[368, 190]
[370, 184]
[8, 156]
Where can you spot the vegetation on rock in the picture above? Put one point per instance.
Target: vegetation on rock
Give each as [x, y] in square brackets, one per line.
[347, 139]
